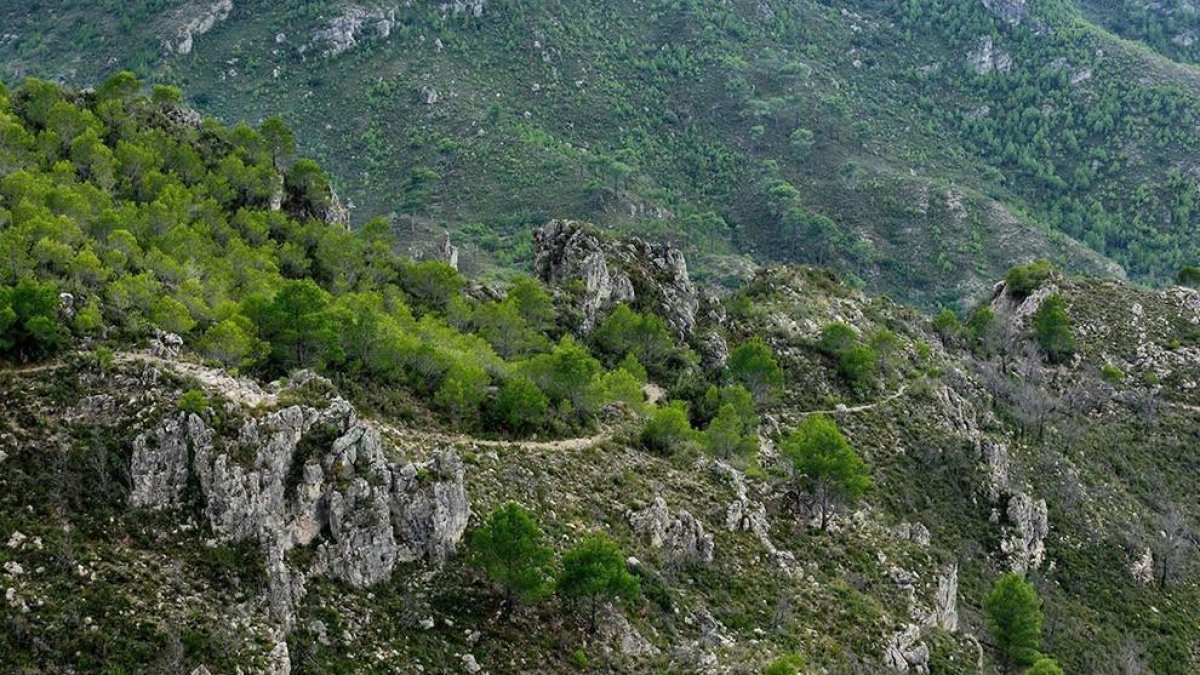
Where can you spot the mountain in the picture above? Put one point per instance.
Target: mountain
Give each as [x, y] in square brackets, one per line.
[920, 147]
[236, 435]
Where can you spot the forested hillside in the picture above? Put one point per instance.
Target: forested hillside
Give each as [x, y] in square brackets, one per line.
[921, 147]
[236, 434]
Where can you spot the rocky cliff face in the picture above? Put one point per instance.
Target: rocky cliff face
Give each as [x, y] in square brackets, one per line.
[305, 476]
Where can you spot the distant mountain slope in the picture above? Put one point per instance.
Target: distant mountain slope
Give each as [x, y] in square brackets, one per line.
[922, 146]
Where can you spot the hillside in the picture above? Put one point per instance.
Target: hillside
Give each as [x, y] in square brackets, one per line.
[922, 147]
[235, 434]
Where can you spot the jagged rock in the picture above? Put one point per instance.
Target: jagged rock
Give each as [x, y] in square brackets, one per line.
[1010, 11]
[995, 458]
[917, 533]
[986, 58]
[201, 670]
[281, 483]
[195, 19]
[945, 608]
[744, 514]
[615, 629]
[904, 652]
[428, 95]
[449, 251]
[333, 212]
[159, 468]
[166, 345]
[683, 536]
[66, 306]
[471, 664]
[1142, 568]
[343, 32]
[280, 659]
[616, 271]
[714, 350]
[1025, 544]
[430, 507]
[472, 7]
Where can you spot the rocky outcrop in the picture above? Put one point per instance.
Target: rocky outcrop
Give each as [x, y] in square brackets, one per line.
[193, 20]
[1025, 540]
[904, 652]
[449, 252]
[986, 58]
[945, 606]
[470, 7]
[652, 276]
[1012, 12]
[343, 33]
[682, 537]
[1142, 568]
[305, 476]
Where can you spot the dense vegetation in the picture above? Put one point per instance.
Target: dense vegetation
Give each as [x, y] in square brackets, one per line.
[712, 124]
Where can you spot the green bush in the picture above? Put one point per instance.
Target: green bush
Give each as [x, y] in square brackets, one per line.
[1112, 373]
[1025, 279]
[824, 466]
[1188, 276]
[1052, 329]
[789, 664]
[592, 572]
[668, 429]
[29, 326]
[193, 401]
[752, 365]
[509, 548]
[520, 406]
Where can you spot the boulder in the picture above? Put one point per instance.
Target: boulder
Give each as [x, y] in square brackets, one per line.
[683, 537]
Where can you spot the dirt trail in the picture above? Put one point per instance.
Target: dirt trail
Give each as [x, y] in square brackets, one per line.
[249, 393]
[855, 408]
[564, 444]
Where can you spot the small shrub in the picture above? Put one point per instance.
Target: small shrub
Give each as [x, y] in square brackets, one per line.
[789, 664]
[1025, 279]
[193, 401]
[1112, 373]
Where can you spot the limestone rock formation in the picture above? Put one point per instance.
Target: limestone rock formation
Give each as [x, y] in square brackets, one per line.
[683, 536]
[904, 651]
[986, 58]
[945, 608]
[1013, 12]
[287, 478]
[1025, 543]
[342, 33]
[1142, 569]
[471, 7]
[195, 19]
[653, 276]
[449, 253]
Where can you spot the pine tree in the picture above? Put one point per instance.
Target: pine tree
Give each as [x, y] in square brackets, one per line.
[593, 572]
[824, 466]
[1014, 614]
[509, 549]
